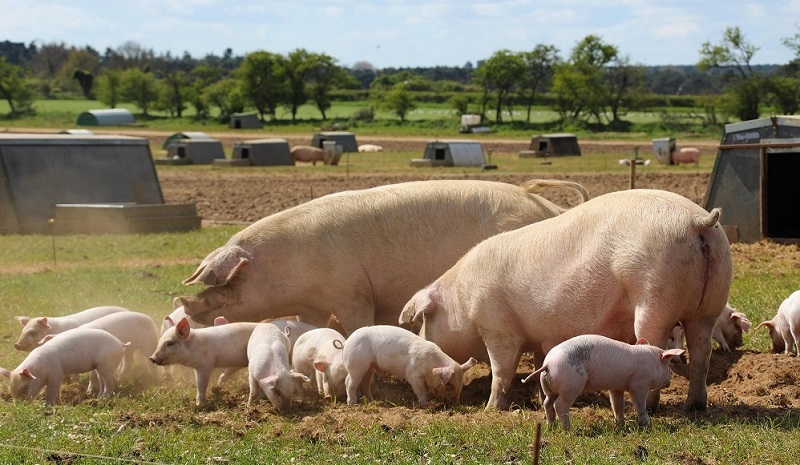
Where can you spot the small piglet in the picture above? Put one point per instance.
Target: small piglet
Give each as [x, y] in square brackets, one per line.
[596, 363]
[78, 350]
[401, 353]
[135, 328]
[204, 349]
[269, 370]
[318, 355]
[35, 329]
[784, 328]
[728, 330]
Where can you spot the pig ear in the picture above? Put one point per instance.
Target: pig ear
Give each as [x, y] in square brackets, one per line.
[641, 341]
[176, 303]
[42, 321]
[742, 320]
[469, 364]
[46, 338]
[300, 376]
[220, 320]
[168, 322]
[219, 269]
[183, 328]
[444, 374]
[321, 366]
[27, 373]
[419, 305]
[269, 382]
[667, 355]
[5, 373]
[23, 320]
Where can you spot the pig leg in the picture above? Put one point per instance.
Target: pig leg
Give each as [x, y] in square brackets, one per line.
[698, 344]
[53, 389]
[227, 373]
[202, 377]
[549, 398]
[94, 383]
[255, 388]
[504, 354]
[355, 376]
[107, 374]
[561, 405]
[366, 384]
[420, 389]
[617, 399]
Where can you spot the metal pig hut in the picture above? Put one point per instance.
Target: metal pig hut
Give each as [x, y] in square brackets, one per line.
[244, 121]
[105, 117]
[754, 180]
[552, 145]
[452, 153]
[346, 139]
[264, 152]
[86, 184]
[193, 151]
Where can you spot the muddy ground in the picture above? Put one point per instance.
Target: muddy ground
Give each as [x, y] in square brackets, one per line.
[743, 383]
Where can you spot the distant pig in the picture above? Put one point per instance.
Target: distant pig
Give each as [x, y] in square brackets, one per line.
[597, 363]
[364, 252]
[784, 328]
[204, 349]
[75, 351]
[401, 353]
[686, 155]
[269, 369]
[307, 153]
[35, 329]
[318, 355]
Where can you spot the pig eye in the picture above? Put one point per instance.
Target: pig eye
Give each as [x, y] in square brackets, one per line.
[169, 343]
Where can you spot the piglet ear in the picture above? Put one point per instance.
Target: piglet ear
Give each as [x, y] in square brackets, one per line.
[220, 320]
[27, 373]
[176, 303]
[5, 373]
[444, 374]
[168, 322]
[43, 321]
[269, 382]
[667, 355]
[183, 328]
[299, 376]
[742, 320]
[23, 320]
[641, 341]
[320, 366]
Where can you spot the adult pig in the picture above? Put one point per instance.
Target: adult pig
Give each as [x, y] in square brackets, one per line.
[359, 254]
[595, 363]
[307, 153]
[35, 329]
[625, 265]
[74, 351]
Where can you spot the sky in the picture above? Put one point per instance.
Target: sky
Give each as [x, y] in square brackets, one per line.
[410, 33]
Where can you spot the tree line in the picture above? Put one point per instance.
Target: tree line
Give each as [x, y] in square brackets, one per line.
[595, 83]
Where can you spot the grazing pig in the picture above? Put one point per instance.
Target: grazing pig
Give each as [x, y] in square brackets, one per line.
[624, 265]
[686, 155]
[784, 328]
[204, 349]
[596, 363]
[368, 148]
[35, 329]
[365, 252]
[401, 353]
[307, 153]
[318, 355]
[728, 330]
[75, 351]
[269, 370]
[135, 328]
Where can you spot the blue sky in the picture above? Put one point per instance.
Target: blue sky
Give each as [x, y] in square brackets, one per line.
[394, 33]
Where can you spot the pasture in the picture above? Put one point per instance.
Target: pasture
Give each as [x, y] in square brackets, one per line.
[754, 396]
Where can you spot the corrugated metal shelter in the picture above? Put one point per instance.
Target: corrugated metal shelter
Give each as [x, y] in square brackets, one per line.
[40, 173]
[552, 145]
[194, 151]
[244, 121]
[346, 139]
[454, 153]
[754, 179]
[184, 135]
[106, 117]
[264, 152]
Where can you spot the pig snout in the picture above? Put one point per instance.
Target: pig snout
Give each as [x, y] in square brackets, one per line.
[155, 359]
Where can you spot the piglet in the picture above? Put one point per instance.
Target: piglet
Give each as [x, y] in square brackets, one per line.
[78, 350]
[784, 328]
[269, 369]
[318, 355]
[401, 353]
[35, 329]
[596, 363]
[728, 330]
[204, 349]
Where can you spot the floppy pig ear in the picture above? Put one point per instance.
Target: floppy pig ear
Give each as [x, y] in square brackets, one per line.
[742, 320]
[27, 373]
[5, 373]
[268, 382]
[444, 374]
[299, 376]
[219, 267]
[667, 355]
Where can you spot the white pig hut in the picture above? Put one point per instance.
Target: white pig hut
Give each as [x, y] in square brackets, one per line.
[754, 180]
[344, 138]
[76, 184]
[263, 152]
[552, 145]
[452, 153]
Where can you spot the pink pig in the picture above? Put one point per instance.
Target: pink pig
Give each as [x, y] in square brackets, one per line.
[318, 355]
[35, 329]
[78, 350]
[401, 353]
[784, 328]
[269, 370]
[594, 363]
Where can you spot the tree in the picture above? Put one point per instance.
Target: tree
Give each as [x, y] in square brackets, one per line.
[539, 67]
[201, 78]
[263, 77]
[325, 74]
[227, 96]
[14, 89]
[298, 70]
[735, 52]
[500, 74]
[109, 87]
[140, 88]
[399, 101]
[174, 92]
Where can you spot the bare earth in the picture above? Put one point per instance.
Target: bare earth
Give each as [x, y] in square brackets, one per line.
[743, 384]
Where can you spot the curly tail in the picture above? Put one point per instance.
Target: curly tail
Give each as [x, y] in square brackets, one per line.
[709, 221]
[535, 186]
